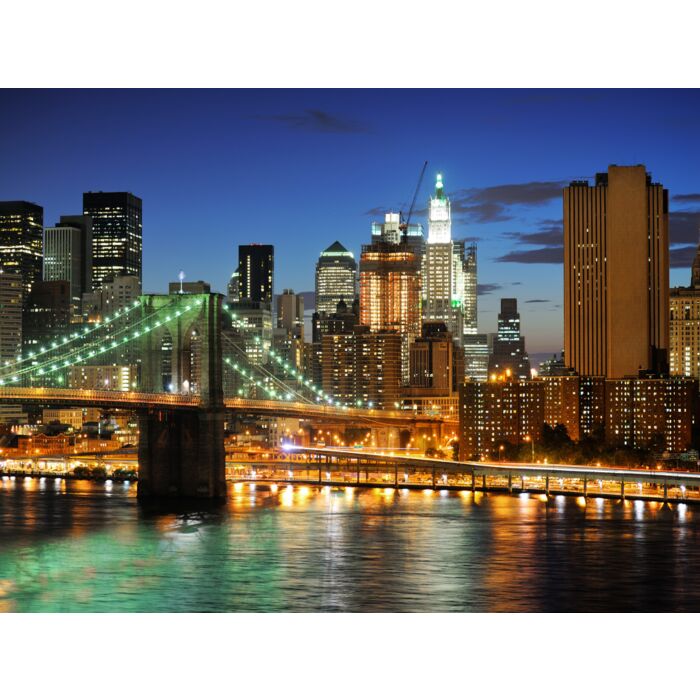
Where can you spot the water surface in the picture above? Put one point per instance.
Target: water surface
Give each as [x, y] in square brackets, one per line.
[81, 546]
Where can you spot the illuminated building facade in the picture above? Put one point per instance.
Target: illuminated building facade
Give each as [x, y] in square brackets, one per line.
[390, 296]
[117, 235]
[657, 414]
[104, 377]
[336, 278]
[497, 412]
[578, 403]
[21, 228]
[48, 312]
[443, 268]
[68, 256]
[390, 231]
[256, 273]
[684, 326]
[616, 268]
[508, 354]
[362, 368]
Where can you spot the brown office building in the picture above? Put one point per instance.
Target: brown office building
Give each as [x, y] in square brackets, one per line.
[616, 295]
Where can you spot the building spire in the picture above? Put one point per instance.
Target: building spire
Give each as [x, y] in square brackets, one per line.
[695, 270]
[439, 191]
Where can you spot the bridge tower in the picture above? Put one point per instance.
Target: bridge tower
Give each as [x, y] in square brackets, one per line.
[181, 450]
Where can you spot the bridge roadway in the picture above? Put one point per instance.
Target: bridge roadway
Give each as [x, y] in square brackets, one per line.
[545, 478]
[138, 399]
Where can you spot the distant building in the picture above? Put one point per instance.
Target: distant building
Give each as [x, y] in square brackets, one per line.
[116, 294]
[508, 355]
[616, 268]
[684, 322]
[21, 228]
[117, 235]
[476, 357]
[198, 287]
[343, 320]
[48, 313]
[256, 273]
[390, 293]
[494, 413]
[578, 403]
[233, 287]
[12, 293]
[252, 326]
[336, 278]
[436, 371]
[104, 377]
[554, 367]
[443, 268]
[68, 257]
[362, 368]
[391, 232]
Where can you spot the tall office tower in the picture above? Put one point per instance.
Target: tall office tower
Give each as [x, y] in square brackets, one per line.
[233, 288]
[443, 273]
[21, 227]
[256, 268]
[68, 256]
[684, 326]
[390, 297]
[116, 235]
[509, 356]
[48, 313]
[616, 296]
[390, 231]
[336, 278]
[343, 320]
[290, 312]
[11, 296]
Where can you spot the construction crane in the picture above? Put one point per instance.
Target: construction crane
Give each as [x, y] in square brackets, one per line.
[403, 226]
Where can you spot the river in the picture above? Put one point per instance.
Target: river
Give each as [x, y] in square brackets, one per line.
[82, 546]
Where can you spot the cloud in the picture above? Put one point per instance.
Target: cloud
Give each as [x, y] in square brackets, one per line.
[536, 301]
[319, 121]
[683, 256]
[488, 288]
[695, 197]
[684, 226]
[550, 254]
[549, 239]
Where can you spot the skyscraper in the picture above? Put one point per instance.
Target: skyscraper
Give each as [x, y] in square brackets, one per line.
[336, 278]
[68, 256]
[616, 296]
[12, 293]
[390, 297]
[21, 226]
[684, 326]
[443, 271]
[256, 269]
[116, 235]
[509, 356]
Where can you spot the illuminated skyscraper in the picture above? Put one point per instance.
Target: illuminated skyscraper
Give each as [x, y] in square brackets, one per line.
[256, 271]
[21, 227]
[443, 272]
[68, 256]
[390, 297]
[336, 278]
[509, 355]
[616, 296]
[684, 326]
[116, 235]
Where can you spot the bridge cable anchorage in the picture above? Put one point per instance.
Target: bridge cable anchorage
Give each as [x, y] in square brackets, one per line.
[59, 342]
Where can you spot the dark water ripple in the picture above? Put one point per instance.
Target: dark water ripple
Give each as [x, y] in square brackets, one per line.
[77, 546]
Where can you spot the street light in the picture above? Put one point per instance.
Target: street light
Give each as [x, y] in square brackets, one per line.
[500, 452]
[529, 439]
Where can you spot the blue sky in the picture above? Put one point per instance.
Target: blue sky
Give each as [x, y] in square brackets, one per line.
[300, 169]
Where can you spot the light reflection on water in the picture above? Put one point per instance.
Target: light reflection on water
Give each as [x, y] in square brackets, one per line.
[81, 546]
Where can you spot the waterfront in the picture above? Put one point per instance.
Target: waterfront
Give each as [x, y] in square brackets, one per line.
[84, 546]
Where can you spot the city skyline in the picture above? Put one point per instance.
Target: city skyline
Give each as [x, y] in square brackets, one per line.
[254, 167]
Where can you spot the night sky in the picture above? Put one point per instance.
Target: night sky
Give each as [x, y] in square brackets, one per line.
[299, 169]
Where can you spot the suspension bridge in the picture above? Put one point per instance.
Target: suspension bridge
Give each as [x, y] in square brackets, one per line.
[192, 370]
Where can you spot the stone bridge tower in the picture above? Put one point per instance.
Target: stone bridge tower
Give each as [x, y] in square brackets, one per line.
[181, 450]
